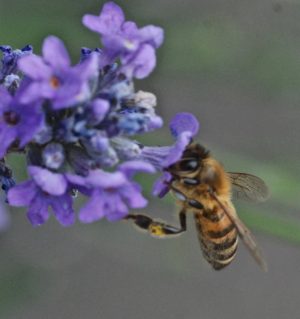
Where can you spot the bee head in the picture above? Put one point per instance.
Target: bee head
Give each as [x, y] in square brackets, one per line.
[190, 161]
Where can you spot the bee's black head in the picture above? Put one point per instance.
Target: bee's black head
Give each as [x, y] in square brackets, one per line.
[196, 151]
[191, 159]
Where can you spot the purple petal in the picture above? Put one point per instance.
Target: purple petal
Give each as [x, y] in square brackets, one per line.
[116, 208]
[155, 122]
[109, 20]
[55, 53]
[32, 123]
[5, 98]
[38, 212]
[133, 196]
[22, 194]
[155, 155]
[63, 210]
[89, 67]
[99, 143]
[34, 67]
[34, 91]
[93, 23]
[98, 178]
[70, 93]
[143, 63]
[184, 122]
[177, 149]
[130, 28]
[7, 136]
[52, 183]
[160, 187]
[99, 109]
[115, 44]
[76, 179]
[93, 210]
[132, 167]
[152, 35]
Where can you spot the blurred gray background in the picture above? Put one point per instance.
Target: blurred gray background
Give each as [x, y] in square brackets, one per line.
[236, 66]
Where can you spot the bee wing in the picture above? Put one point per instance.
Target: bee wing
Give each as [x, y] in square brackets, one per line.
[245, 235]
[248, 187]
[249, 241]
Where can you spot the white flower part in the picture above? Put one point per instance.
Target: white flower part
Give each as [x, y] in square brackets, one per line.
[11, 79]
[126, 149]
[145, 99]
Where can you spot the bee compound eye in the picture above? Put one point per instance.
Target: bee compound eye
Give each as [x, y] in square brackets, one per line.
[195, 204]
[188, 165]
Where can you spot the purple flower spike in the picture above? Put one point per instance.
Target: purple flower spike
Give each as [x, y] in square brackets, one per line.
[79, 125]
[53, 78]
[184, 122]
[43, 190]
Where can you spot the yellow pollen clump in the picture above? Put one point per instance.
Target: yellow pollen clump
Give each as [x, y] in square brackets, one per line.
[156, 230]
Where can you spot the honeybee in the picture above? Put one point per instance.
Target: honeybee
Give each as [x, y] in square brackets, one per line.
[201, 186]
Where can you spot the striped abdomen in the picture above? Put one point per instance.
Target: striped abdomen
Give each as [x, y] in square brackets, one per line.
[218, 237]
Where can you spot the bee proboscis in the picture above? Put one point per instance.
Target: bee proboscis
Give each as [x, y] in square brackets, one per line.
[201, 186]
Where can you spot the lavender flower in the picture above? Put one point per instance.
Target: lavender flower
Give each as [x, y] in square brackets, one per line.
[123, 39]
[75, 123]
[43, 190]
[18, 121]
[53, 77]
[111, 193]
[183, 127]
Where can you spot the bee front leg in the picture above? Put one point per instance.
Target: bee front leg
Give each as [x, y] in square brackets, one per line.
[157, 228]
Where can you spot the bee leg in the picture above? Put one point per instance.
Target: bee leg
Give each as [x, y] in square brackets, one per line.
[157, 228]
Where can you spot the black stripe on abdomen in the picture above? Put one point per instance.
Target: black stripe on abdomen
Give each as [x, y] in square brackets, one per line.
[226, 244]
[218, 256]
[219, 234]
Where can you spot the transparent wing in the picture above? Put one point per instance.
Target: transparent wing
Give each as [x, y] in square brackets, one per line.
[245, 235]
[249, 241]
[248, 187]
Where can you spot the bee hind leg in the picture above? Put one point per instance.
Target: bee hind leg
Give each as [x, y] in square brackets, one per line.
[158, 228]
